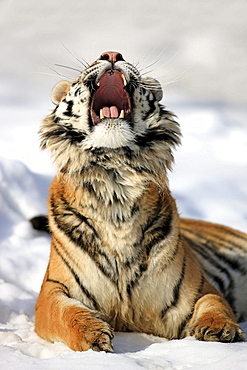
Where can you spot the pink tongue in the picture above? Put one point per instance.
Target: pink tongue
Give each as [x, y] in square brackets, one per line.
[111, 112]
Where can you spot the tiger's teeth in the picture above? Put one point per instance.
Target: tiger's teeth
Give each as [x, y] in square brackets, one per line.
[124, 80]
[101, 115]
[121, 114]
[97, 84]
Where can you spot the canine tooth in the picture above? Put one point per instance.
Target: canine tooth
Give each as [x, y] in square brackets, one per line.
[121, 114]
[124, 80]
[101, 115]
[97, 84]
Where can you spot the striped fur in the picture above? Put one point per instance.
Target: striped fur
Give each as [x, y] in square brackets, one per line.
[121, 258]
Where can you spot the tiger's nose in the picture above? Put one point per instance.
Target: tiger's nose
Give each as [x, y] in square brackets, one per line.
[112, 56]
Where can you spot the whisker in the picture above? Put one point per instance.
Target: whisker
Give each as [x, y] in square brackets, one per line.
[147, 72]
[71, 68]
[170, 60]
[50, 65]
[151, 64]
[45, 56]
[144, 58]
[83, 61]
[59, 74]
[52, 74]
[144, 71]
[136, 65]
[153, 87]
[180, 77]
[150, 54]
[161, 54]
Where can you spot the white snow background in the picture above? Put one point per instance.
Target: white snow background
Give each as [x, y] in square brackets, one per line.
[198, 50]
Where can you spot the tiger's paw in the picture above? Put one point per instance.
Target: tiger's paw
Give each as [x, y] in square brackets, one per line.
[97, 339]
[216, 329]
[103, 343]
[86, 332]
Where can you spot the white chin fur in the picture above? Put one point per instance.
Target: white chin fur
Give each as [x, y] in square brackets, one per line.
[110, 133]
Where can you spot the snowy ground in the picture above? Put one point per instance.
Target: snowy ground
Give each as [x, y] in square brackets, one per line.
[201, 48]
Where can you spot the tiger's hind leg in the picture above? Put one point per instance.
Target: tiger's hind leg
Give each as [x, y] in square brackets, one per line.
[59, 317]
[213, 320]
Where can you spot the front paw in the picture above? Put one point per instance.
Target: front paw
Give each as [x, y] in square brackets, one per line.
[87, 330]
[103, 343]
[216, 329]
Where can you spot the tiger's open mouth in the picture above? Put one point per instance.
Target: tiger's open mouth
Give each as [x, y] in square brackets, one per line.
[110, 100]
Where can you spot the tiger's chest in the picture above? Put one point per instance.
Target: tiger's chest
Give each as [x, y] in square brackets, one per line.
[122, 276]
[125, 286]
[118, 252]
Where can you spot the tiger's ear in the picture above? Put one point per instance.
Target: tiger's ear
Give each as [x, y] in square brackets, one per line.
[154, 86]
[59, 91]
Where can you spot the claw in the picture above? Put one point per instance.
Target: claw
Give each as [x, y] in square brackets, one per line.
[103, 343]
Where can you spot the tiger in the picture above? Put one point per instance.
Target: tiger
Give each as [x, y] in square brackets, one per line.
[122, 258]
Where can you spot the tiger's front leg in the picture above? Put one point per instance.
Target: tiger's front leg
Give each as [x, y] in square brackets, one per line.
[213, 320]
[59, 317]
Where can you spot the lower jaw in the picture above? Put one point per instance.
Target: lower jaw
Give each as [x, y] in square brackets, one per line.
[111, 133]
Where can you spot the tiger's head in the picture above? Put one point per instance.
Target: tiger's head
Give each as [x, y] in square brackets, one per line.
[110, 108]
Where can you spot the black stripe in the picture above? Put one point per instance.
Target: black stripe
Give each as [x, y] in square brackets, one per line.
[152, 106]
[61, 214]
[154, 237]
[226, 291]
[76, 277]
[200, 249]
[176, 289]
[135, 209]
[80, 216]
[209, 244]
[138, 274]
[127, 155]
[153, 234]
[190, 313]
[63, 133]
[152, 135]
[75, 136]
[77, 91]
[225, 229]
[83, 239]
[56, 119]
[143, 265]
[68, 111]
[88, 185]
[171, 258]
[63, 285]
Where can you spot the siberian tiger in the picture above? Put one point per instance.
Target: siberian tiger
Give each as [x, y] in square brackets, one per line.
[121, 257]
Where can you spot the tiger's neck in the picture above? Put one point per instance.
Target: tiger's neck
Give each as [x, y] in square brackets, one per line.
[122, 211]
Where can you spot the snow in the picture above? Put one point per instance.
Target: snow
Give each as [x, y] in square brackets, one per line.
[199, 53]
